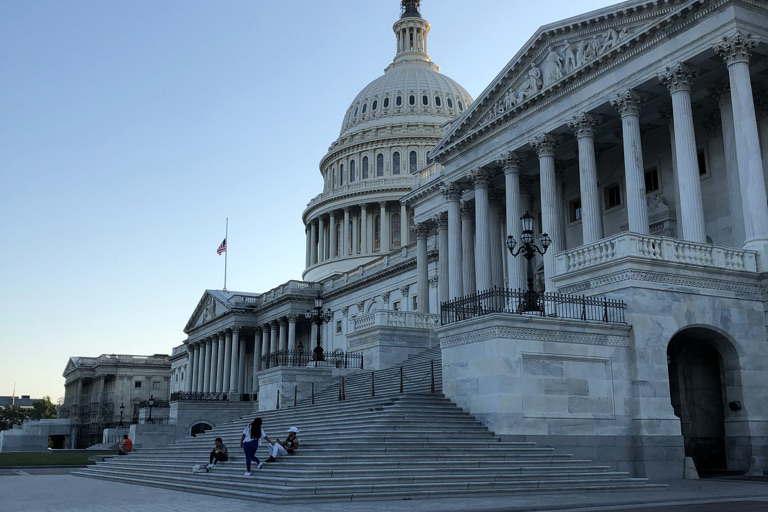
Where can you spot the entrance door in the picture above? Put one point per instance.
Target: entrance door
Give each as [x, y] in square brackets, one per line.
[696, 390]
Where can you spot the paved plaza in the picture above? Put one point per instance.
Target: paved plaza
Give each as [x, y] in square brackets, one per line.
[37, 490]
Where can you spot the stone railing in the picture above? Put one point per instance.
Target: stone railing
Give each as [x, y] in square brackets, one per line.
[633, 245]
[284, 289]
[394, 319]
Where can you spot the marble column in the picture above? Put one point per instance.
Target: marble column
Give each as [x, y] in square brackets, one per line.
[308, 256]
[364, 246]
[544, 145]
[678, 80]
[583, 126]
[404, 229]
[256, 359]
[422, 269]
[192, 369]
[242, 364]
[628, 105]
[736, 50]
[321, 239]
[283, 335]
[481, 179]
[355, 235]
[274, 337]
[206, 343]
[292, 331]
[265, 341]
[495, 238]
[515, 266]
[234, 361]
[452, 194]
[214, 362]
[333, 244]
[313, 247]
[384, 246]
[722, 94]
[200, 366]
[227, 361]
[468, 248]
[345, 234]
[441, 221]
[220, 364]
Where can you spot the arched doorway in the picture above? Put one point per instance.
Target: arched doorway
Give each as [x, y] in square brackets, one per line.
[698, 369]
[199, 428]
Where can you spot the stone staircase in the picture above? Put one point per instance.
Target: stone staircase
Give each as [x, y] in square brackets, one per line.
[392, 445]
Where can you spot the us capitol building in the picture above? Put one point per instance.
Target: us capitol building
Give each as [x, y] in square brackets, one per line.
[633, 333]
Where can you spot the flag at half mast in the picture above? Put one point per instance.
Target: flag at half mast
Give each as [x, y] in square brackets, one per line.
[222, 248]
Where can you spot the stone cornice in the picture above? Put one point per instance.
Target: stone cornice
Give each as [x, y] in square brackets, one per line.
[523, 333]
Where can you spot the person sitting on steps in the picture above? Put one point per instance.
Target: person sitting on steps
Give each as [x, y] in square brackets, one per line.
[287, 447]
[219, 453]
[125, 446]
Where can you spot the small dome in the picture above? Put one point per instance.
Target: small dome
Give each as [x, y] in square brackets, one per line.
[409, 91]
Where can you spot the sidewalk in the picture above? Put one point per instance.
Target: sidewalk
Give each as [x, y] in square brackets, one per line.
[23, 490]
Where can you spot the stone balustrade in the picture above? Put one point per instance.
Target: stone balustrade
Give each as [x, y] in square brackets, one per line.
[633, 245]
[369, 184]
[394, 319]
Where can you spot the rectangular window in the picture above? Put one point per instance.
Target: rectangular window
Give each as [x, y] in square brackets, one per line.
[415, 303]
[396, 305]
[612, 196]
[651, 180]
[574, 210]
[137, 384]
[155, 385]
[701, 156]
[338, 326]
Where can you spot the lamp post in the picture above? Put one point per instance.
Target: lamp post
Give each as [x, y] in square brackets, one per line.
[151, 403]
[528, 249]
[318, 317]
[122, 409]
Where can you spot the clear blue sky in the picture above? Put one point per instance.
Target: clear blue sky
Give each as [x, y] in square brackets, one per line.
[130, 130]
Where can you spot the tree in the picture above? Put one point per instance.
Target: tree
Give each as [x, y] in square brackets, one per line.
[42, 408]
[11, 415]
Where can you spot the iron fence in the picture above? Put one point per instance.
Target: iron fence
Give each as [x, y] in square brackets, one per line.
[184, 395]
[335, 359]
[522, 302]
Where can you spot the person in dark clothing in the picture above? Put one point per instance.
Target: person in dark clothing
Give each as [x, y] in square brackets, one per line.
[218, 454]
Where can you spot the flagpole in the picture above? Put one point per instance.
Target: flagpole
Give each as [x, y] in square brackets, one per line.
[226, 252]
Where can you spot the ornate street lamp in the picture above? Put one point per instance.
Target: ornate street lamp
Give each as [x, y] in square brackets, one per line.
[151, 403]
[122, 409]
[318, 317]
[528, 249]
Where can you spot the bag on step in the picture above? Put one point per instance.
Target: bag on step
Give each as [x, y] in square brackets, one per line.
[198, 468]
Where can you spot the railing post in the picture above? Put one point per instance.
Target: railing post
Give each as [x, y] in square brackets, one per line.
[401, 379]
[313, 393]
[343, 389]
[278, 399]
[295, 393]
[373, 383]
[340, 381]
[432, 370]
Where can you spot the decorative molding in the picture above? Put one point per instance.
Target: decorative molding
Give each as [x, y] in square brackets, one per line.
[736, 48]
[628, 103]
[510, 162]
[433, 279]
[544, 335]
[404, 290]
[583, 124]
[544, 144]
[385, 297]
[451, 192]
[360, 305]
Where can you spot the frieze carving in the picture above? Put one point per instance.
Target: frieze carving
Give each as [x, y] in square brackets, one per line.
[736, 48]
[662, 278]
[548, 335]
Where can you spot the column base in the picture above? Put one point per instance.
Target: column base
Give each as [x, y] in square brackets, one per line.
[760, 245]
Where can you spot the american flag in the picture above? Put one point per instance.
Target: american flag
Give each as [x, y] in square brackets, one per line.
[222, 248]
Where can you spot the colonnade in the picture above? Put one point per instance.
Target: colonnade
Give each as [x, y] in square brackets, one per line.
[218, 363]
[471, 253]
[357, 235]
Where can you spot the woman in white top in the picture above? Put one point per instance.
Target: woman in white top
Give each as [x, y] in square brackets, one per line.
[250, 440]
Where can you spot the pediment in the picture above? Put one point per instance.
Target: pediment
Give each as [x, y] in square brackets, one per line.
[208, 308]
[559, 53]
[71, 366]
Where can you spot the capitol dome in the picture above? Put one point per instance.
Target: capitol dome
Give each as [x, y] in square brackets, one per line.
[384, 142]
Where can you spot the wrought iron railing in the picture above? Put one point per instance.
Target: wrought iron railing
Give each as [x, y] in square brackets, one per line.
[335, 359]
[519, 302]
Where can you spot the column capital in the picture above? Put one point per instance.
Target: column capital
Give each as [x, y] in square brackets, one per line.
[544, 144]
[735, 48]
[441, 221]
[480, 177]
[235, 329]
[292, 317]
[404, 290]
[468, 210]
[274, 324]
[265, 328]
[510, 161]
[496, 197]
[451, 192]
[583, 124]
[678, 77]
[360, 305]
[385, 297]
[346, 210]
[363, 207]
[627, 103]
[345, 310]
[421, 230]
[721, 92]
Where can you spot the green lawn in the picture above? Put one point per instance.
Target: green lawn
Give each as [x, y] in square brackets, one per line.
[64, 458]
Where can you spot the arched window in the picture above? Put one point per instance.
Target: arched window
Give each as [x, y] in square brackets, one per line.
[374, 104]
[352, 171]
[399, 101]
[437, 101]
[365, 107]
[386, 102]
[333, 178]
[450, 102]
[365, 167]
[396, 162]
[380, 164]
[355, 114]
[461, 107]
[412, 164]
[395, 230]
[341, 175]
[336, 251]
[425, 100]
[411, 99]
[377, 232]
